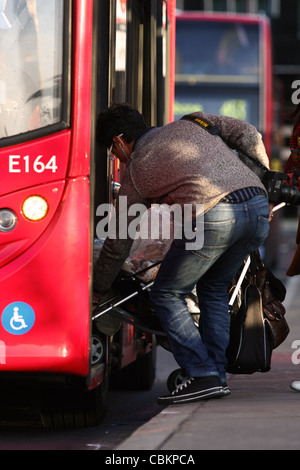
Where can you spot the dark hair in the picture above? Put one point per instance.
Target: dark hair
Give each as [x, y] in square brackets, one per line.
[120, 119]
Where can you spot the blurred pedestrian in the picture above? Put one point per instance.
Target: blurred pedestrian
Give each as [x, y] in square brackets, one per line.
[293, 169]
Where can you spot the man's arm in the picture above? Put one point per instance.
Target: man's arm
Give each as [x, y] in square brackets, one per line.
[118, 243]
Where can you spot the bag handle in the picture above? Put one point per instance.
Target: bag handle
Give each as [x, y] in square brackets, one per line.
[250, 262]
[240, 282]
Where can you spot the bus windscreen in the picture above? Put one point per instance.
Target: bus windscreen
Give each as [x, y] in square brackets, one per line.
[31, 50]
[217, 48]
[218, 69]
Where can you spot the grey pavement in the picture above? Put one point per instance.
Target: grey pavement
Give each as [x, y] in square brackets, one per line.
[262, 412]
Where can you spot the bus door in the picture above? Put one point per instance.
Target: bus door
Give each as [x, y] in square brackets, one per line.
[135, 63]
[137, 38]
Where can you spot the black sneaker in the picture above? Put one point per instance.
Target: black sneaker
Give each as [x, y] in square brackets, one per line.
[178, 376]
[226, 389]
[194, 389]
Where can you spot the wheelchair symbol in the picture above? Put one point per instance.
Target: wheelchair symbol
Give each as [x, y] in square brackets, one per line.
[18, 318]
[17, 321]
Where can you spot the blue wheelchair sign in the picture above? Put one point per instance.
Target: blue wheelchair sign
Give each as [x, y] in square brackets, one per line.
[18, 318]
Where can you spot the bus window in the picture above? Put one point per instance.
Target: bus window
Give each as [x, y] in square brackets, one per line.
[223, 66]
[217, 48]
[31, 51]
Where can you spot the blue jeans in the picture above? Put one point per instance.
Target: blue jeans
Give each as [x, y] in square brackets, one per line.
[231, 231]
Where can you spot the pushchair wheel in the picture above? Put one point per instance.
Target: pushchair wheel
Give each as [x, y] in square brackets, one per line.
[177, 377]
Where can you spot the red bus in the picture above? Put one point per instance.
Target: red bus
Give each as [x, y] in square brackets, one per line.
[61, 62]
[224, 66]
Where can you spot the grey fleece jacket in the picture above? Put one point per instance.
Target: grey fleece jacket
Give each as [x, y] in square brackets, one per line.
[181, 163]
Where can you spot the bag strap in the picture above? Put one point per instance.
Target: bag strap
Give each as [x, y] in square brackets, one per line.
[253, 265]
[213, 130]
[204, 123]
[250, 265]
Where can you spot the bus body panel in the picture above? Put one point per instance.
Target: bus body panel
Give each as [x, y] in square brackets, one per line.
[171, 8]
[45, 322]
[34, 163]
[13, 243]
[58, 340]
[267, 86]
[81, 85]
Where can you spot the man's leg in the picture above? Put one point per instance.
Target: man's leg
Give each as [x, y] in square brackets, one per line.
[251, 229]
[182, 269]
[177, 276]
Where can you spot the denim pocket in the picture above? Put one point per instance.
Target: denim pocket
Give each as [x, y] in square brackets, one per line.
[261, 233]
[217, 236]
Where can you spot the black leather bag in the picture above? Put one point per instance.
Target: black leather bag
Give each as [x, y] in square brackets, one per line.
[251, 339]
[258, 325]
